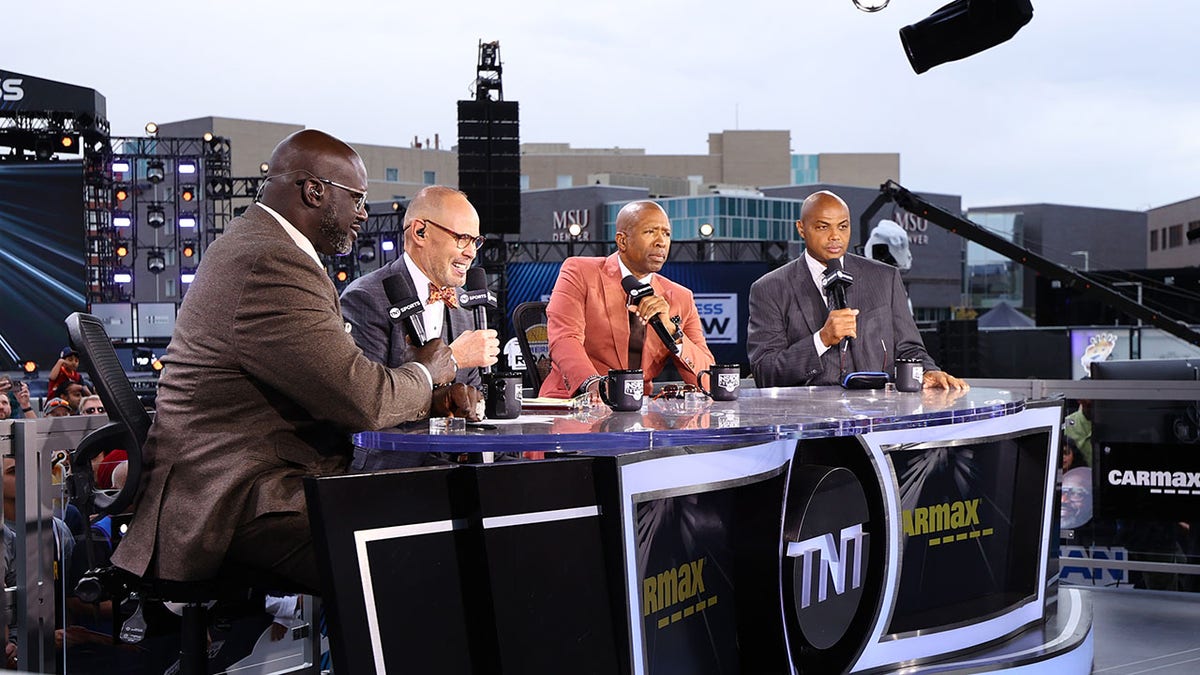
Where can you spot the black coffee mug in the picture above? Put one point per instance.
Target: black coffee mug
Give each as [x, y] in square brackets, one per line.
[504, 393]
[723, 379]
[623, 389]
[910, 374]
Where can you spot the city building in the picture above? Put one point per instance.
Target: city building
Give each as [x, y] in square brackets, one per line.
[1081, 237]
[1168, 227]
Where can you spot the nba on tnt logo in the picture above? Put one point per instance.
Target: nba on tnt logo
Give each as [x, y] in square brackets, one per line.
[826, 561]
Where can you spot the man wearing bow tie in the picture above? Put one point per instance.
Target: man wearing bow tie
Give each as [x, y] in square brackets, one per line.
[441, 239]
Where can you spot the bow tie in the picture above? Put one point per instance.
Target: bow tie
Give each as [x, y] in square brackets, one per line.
[444, 293]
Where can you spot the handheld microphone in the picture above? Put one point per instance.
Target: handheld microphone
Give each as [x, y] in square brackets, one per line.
[637, 291]
[405, 307]
[478, 299]
[835, 281]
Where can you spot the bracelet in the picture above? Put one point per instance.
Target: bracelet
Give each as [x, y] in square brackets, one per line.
[588, 382]
[26, 409]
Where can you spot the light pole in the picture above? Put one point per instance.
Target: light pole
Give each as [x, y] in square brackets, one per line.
[1085, 258]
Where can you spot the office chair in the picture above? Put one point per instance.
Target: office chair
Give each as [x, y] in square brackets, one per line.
[127, 428]
[529, 319]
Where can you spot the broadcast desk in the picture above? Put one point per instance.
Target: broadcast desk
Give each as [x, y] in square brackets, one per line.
[793, 530]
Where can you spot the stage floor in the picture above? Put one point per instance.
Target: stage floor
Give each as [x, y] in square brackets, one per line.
[1145, 632]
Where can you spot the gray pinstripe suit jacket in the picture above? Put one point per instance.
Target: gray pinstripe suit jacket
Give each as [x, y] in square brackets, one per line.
[786, 310]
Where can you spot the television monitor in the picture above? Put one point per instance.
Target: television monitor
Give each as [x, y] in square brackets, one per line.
[1144, 420]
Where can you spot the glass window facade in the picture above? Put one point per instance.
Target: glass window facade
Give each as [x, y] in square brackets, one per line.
[805, 169]
[430, 178]
[752, 218]
[391, 175]
[564, 181]
[991, 277]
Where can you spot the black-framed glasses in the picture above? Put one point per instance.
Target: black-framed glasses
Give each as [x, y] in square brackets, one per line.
[360, 197]
[460, 240]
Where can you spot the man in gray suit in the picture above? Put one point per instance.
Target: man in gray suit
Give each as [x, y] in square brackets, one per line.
[262, 385]
[440, 242]
[793, 337]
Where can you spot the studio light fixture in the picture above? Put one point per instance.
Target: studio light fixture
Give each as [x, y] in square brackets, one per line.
[187, 220]
[870, 5]
[342, 274]
[186, 168]
[961, 29]
[387, 245]
[151, 129]
[122, 249]
[188, 249]
[187, 193]
[706, 230]
[156, 217]
[156, 262]
[574, 229]
[122, 277]
[155, 171]
[122, 220]
[264, 168]
[366, 250]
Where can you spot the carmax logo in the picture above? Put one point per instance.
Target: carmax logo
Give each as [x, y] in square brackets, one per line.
[949, 522]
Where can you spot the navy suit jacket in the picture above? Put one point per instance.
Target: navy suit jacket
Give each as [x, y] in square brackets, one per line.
[364, 306]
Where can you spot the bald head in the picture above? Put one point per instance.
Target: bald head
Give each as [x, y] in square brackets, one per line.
[825, 226]
[634, 212]
[440, 234]
[431, 201]
[310, 150]
[643, 237]
[821, 200]
[315, 182]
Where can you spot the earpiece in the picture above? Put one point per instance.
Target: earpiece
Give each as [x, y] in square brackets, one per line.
[421, 232]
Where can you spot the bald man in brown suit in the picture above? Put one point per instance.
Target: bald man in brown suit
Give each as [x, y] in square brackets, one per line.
[263, 385]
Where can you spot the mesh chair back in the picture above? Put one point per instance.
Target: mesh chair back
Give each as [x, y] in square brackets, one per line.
[99, 360]
[529, 318]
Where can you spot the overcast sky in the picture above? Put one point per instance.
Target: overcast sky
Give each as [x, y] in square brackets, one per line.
[1093, 103]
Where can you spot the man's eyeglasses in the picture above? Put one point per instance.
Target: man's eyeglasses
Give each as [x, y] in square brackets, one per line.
[93, 410]
[676, 391]
[360, 198]
[460, 240]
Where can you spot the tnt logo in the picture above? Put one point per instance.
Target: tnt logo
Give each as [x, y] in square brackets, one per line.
[827, 563]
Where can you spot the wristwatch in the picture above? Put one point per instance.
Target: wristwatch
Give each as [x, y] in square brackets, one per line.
[678, 334]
